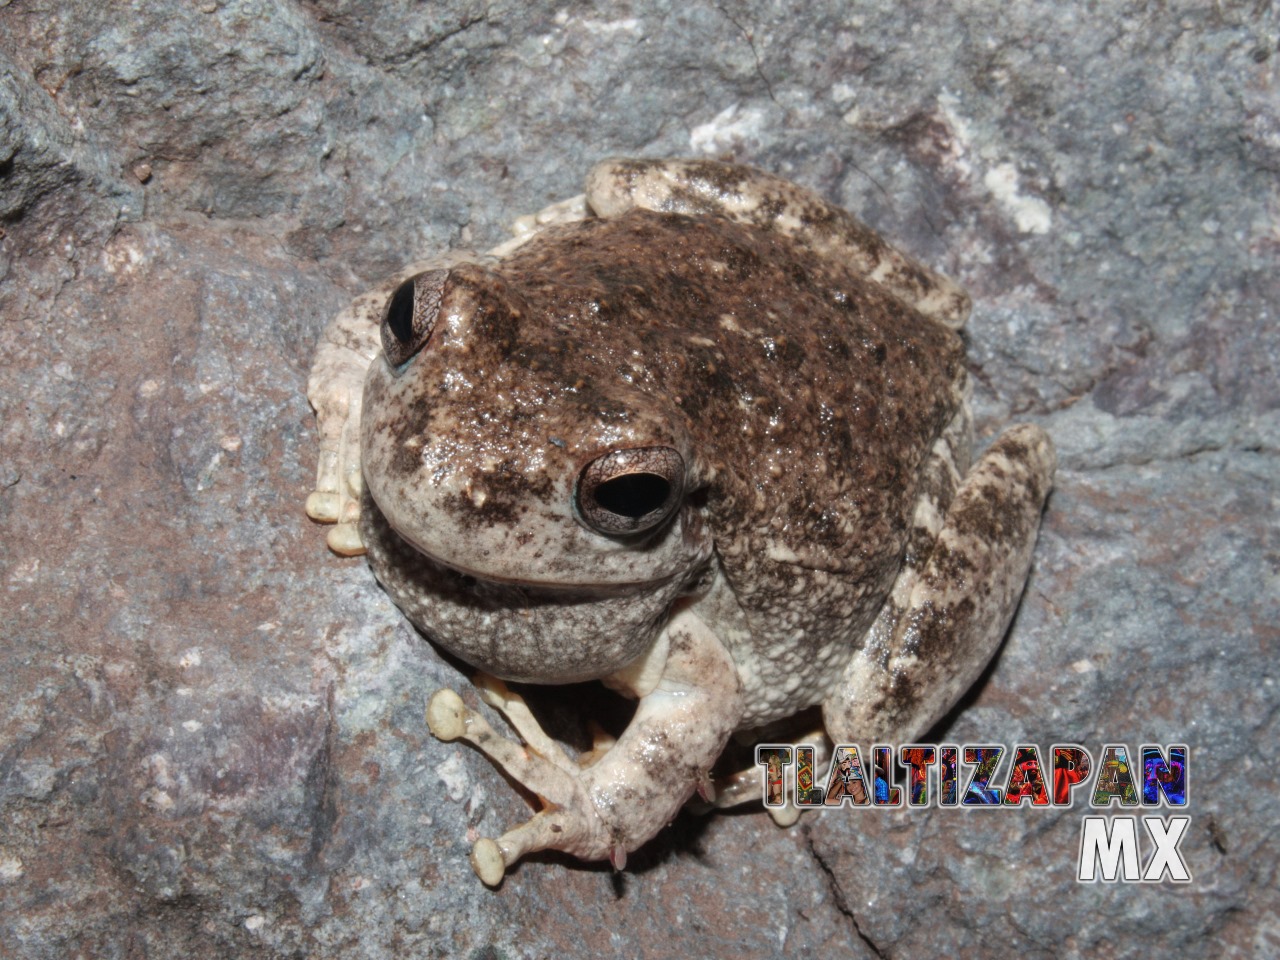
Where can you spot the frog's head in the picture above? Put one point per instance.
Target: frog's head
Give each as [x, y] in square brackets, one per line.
[495, 447]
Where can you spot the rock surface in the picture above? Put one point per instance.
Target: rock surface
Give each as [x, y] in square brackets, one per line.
[211, 732]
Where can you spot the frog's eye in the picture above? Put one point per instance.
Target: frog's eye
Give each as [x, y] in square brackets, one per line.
[411, 315]
[629, 491]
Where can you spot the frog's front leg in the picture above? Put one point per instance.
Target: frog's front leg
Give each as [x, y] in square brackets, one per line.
[938, 632]
[630, 793]
[336, 388]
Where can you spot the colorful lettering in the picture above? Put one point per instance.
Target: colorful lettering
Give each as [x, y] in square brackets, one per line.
[1115, 779]
[774, 757]
[846, 782]
[1167, 776]
[807, 795]
[978, 792]
[1071, 766]
[918, 760]
[886, 794]
[948, 776]
[1026, 779]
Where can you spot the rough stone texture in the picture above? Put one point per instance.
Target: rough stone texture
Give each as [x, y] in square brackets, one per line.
[211, 733]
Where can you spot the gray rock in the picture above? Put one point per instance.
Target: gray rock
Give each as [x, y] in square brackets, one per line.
[211, 732]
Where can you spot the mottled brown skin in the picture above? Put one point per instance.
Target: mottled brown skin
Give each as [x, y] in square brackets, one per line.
[806, 427]
[796, 387]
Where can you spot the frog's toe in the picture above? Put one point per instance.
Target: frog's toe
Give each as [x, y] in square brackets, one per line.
[488, 862]
[513, 707]
[323, 506]
[602, 741]
[785, 816]
[336, 500]
[735, 790]
[345, 540]
[727, 790]
[449, 719]
[552, 829]
[447, 716]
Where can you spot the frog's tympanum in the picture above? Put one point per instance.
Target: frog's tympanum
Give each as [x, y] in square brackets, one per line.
[700, 435]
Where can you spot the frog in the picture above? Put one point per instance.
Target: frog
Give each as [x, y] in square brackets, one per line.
[698, 434]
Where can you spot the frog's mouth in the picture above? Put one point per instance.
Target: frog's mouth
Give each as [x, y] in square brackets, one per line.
[577, 586]
[538, 630]
[470, 576]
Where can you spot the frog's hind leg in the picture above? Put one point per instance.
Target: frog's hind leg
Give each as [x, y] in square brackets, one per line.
[951, 606]
[750, 196]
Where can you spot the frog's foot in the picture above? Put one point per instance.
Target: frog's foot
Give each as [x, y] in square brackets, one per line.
[736, 790]
[335, 389]
[938, 632]
[566, 822]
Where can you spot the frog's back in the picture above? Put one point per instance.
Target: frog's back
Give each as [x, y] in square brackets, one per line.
[813, 396]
